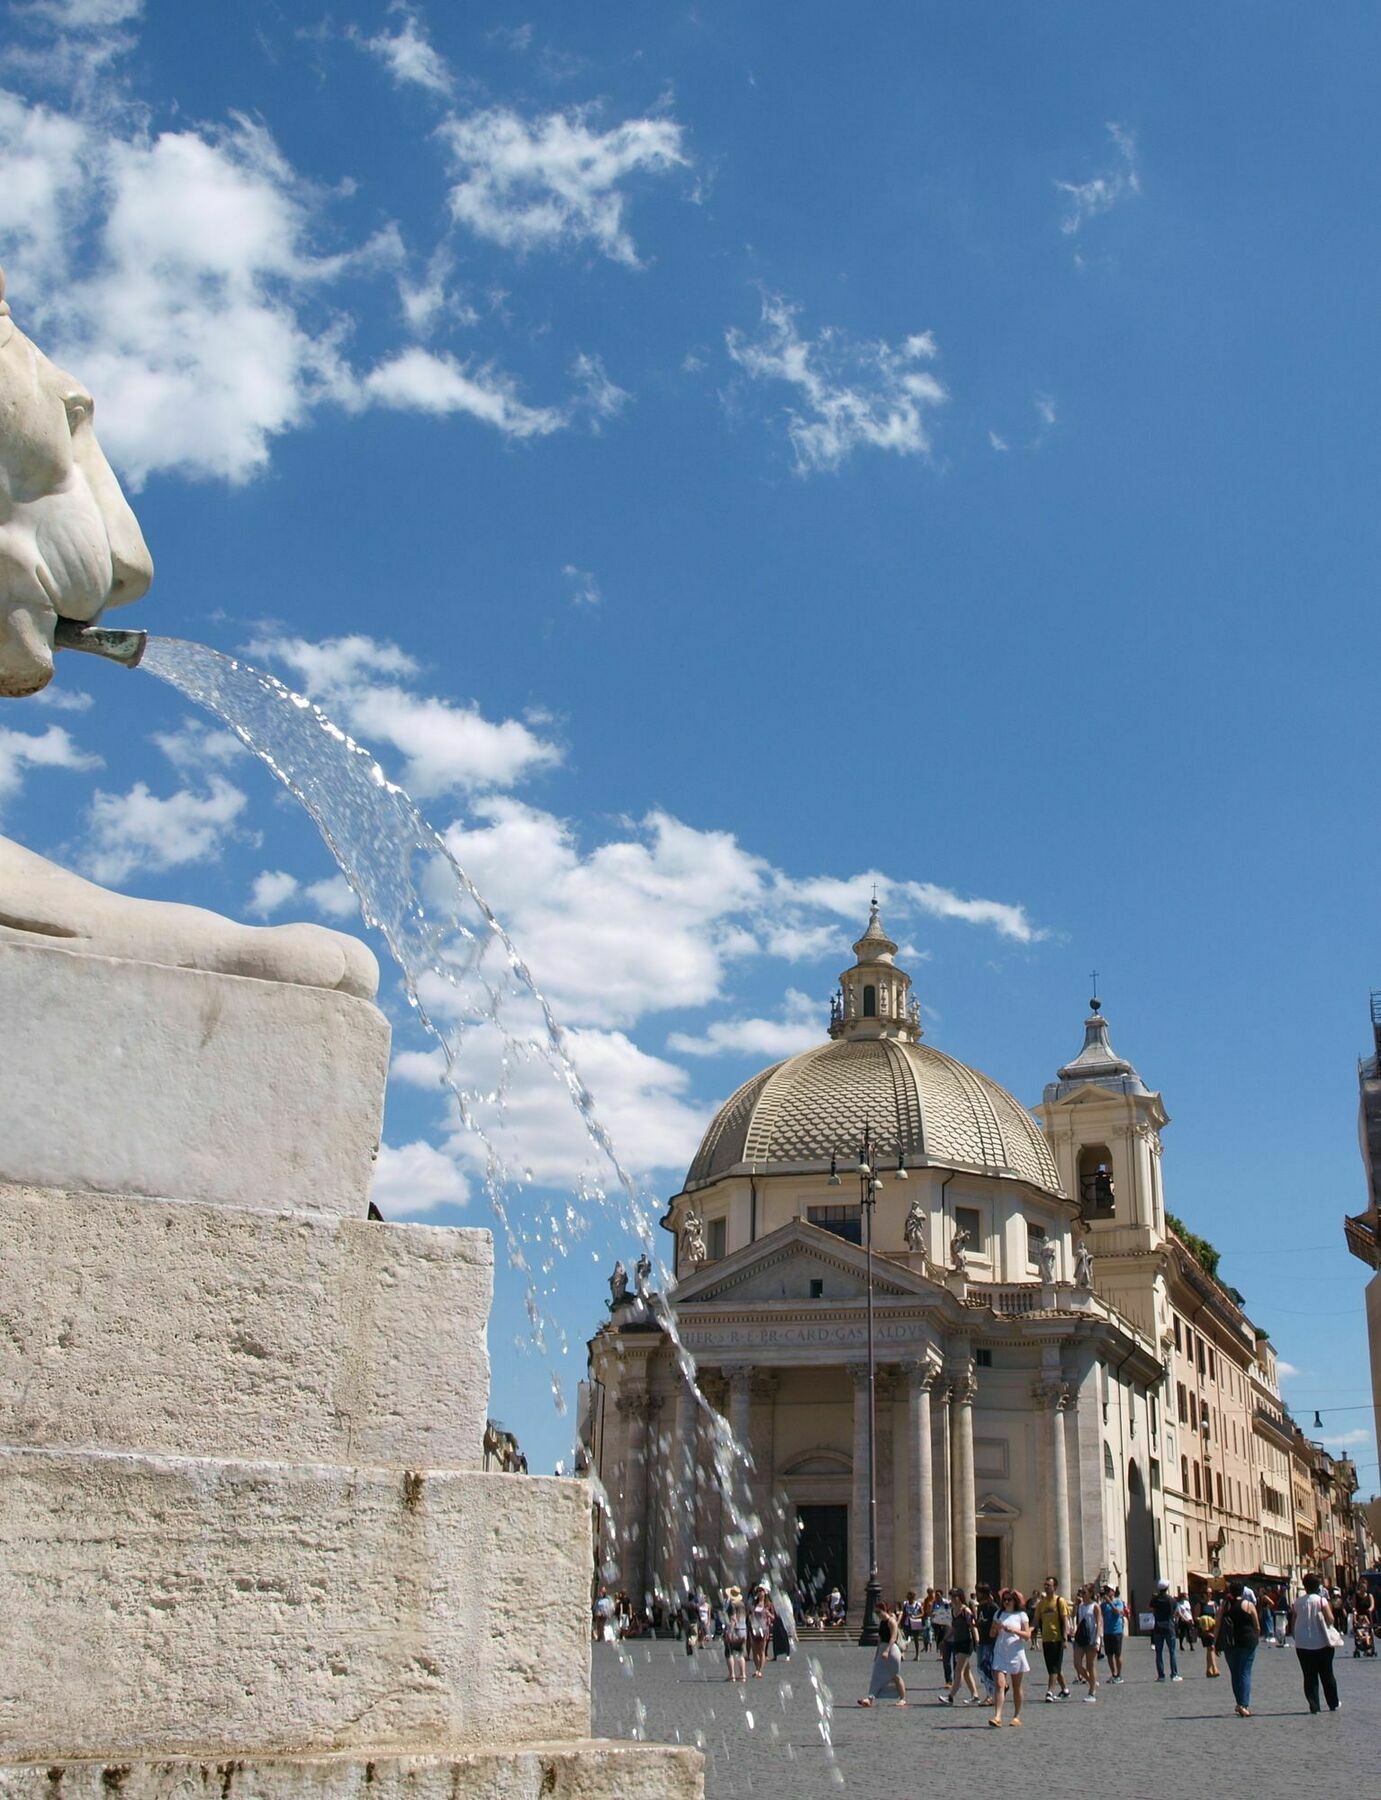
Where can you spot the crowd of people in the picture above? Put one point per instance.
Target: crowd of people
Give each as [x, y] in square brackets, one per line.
[985, 1641]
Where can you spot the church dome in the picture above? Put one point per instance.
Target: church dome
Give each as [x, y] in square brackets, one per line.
[875, 1073]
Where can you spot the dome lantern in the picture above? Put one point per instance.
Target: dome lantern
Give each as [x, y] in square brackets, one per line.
[874, 998]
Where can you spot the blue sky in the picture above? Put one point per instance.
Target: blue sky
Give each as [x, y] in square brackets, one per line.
[720, 457]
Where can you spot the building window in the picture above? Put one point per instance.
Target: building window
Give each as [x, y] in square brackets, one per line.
[870, 1002]
[1109, 1467]
[1182, 1402]
[983, 1359]
[1212, 1371]
[1184, 1474]
[1198, 1489]
[1193, 1413]
[1178, 1344]
[716, 1234]
[844, 1221]
[1189, 1345]
[1203, 1358]
[1095, 1182]
[1155, 1416]
[817, 1289]
[1218, 1478]
[968, 1218]
[1035, 1240]
[1155, 1476]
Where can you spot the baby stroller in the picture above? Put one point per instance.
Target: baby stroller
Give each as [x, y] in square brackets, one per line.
[1363, 1637]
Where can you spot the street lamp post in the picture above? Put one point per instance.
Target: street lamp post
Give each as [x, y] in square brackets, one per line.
[869, 1181]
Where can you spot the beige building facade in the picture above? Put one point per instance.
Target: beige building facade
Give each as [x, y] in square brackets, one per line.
[1052, 1367]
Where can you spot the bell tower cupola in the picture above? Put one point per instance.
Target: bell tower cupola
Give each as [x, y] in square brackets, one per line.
[874, 998]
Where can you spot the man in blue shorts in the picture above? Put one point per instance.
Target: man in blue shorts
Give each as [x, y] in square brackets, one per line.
[1114, 1629]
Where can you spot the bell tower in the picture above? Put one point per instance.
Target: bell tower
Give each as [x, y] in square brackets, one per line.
[874, 998]
[1104, 1127]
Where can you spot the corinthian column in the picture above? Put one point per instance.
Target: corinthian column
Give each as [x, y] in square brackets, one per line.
[632, 1510]
[682, 1495]
[742, 1523]
[1053, 1396]
[965, 1547]
[920, 1462]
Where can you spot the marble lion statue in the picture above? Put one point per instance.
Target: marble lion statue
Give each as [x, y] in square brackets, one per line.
[70, 546]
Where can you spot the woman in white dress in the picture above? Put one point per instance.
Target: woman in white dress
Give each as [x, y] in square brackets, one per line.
[1011, 1634]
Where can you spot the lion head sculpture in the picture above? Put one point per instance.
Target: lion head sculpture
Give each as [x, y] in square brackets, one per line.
[70, 545]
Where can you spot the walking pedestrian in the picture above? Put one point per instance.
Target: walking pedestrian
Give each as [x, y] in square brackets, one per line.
[1208, 1630]
[1114, 1610]
[986, 1609]
[1163, 1631]
[939, 1629]
[1088, 1640]
[1238, 1634]
[912, 1622]
[1311, 1620]
[962, 1631]
[761, 1613]
[735, 1635]
[1184, 1620]
[886, 1661]
[1012, 1633]
[1052, 1620]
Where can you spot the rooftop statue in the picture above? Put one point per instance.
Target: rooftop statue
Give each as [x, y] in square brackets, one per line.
[70, 546]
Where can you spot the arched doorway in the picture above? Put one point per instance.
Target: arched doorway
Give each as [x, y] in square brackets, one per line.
[1141, 1542]
[817, 1490]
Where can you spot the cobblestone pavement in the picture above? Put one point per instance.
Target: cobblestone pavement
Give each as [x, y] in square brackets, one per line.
[1142, 1740]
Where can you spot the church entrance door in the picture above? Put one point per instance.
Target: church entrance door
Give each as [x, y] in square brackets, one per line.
[822, 1551]
[989, 1562]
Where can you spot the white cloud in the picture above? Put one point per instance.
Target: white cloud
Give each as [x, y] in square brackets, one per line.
[998, 443]
[144, 831]
[61, 699]
[554, 181]
[71, 43]
[429, 381]
[941, 903]
[1347, 1440]
[272, 889]
[601, 397]
[517, 38]
[412, 1180]
[1085, 200]
[446, 747]
[1285, 1371]
[642, 1100]
[847, 395]
[798, 1026]
[333, 898]
[584, 587]
[196, 745]
[409, 55]
[21, 751]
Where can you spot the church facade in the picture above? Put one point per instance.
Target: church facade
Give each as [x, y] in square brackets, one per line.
[1023, 1414]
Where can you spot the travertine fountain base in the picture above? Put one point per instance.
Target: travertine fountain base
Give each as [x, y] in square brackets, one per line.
[245, 1546]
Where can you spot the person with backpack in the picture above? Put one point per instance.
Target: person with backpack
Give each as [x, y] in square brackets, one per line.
[1088, 1639]
[1163, 1607]
[1237, 1636]
[939, 1628]
[1114, 1610]
[1052, 1622]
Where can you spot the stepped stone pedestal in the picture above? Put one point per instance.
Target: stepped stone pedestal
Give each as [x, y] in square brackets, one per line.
[246, 1548]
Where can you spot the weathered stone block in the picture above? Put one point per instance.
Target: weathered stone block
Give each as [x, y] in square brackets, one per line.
[179, 1606]
[125, 1077]
[594, 1769]
[160, 1325]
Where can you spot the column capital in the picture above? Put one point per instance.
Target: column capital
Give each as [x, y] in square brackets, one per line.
[1052, 1394]
[923, 1376]
[963, 1390]
[738, 1374]
[634, 1406]
[765, 1383]
[859, 1373]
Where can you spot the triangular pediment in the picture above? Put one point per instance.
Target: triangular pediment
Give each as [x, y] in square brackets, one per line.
[784, 1264]
[992, 1506]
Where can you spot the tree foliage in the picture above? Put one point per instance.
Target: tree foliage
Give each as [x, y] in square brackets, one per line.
[1198, 1247]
